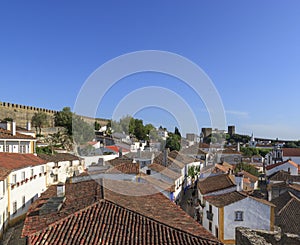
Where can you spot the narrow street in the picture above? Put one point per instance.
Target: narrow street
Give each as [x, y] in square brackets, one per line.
[186, 204]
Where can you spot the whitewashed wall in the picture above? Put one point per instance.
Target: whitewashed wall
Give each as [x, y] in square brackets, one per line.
[31, 188]
[256, 216]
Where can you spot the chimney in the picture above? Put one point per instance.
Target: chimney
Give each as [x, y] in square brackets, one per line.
[60, 190]
[239, 181]
[13, 128]
[28, 126]
[165, 157]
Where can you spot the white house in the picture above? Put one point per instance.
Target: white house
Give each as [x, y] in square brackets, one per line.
[223, 213]
[288, 166]
[22, 180]
[62, 166]
[162, 133]
[13, 141]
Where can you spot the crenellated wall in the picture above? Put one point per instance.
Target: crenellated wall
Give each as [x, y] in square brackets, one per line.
[23, 114]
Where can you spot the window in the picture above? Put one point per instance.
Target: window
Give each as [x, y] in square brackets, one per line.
[15, 207]
[22, 149]
[23, 175]
[217, 232]
[239, 215]
[56, 164]
[4, 187]
[23, 202]
[71, 163]
[7, 148]
[32, 172]
[210, 208]
[210, 226]
[14, 178]
[55, 177]
[42, 169]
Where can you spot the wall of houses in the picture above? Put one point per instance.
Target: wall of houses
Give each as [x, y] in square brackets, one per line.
[256, 215]
[60, 171]
[3, 205]
[26, 185]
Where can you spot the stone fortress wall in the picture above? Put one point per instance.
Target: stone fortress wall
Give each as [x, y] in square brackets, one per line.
[23, 114]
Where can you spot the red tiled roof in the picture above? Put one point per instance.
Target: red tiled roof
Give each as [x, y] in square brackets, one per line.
[215, 183]
[125, 168]
[13, 161]
[287, 212]
[4, 173]
[116, 148]
[225, 199]
[269, 167]
[108, 223]
[249, 176]
[5, 134]
[113, 217]
[291, 152]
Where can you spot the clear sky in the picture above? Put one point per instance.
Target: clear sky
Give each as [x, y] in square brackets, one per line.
[249, 49]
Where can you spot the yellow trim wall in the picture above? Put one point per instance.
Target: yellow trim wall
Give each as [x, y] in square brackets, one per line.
[272, 218]
[221, 224]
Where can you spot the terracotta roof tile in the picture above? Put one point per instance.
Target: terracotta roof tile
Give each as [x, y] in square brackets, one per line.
[87, 215]
[13, 161]
[287, 212]
[4, 172]
[215, 183]
[125, 168]
[120, 160]
[225, 199]
[108, 223]
[251, 177]
[291, 152]
[284, 176]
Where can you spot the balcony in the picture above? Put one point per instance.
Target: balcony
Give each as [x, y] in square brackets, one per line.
[209, 215]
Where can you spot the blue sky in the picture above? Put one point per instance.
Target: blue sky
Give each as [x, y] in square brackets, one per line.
[249, 49]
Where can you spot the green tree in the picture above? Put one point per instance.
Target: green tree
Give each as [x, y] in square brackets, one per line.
[64, 119]
[97, 125]
[38, 121]
[246, 167]
[176, 131]
[249, 152]
[8, 119]
[139, 130]
[82, 132]
[173, 142]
